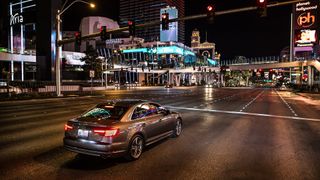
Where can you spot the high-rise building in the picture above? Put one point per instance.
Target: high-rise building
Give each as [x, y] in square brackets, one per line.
[31, 31]
[143, 11]
[206, 49]
[195, 38]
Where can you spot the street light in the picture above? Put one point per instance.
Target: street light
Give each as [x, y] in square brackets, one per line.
[58, 46]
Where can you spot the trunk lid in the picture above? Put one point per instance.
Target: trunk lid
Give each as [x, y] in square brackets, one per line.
[83, 127]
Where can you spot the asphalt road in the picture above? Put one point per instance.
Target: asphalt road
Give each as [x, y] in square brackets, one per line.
[227, 134]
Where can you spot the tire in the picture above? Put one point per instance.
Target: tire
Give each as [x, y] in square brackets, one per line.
[135, 148]
[178, 128]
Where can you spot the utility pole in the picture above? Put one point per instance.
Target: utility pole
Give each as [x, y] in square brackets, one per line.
[59, 42]
[58, 55]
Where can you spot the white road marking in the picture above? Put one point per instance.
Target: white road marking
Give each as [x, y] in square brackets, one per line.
[244, 107]
[245, 113]
[285, 102]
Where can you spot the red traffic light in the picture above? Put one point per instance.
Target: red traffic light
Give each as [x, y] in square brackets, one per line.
[103, 33]
[164, 16]
[103, 28]
[262, 3]
[210, 8]
[165, 21]
[77, 37]
[132, 28]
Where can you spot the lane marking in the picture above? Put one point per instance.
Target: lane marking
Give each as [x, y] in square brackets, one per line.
[245, 113]
[244, 107]
[286, 103]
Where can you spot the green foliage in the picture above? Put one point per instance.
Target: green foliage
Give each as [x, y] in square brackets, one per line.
[92, 62]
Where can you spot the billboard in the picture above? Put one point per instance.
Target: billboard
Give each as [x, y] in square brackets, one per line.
[306, 23]
[306, 14]
[305, 37]
[172, 33]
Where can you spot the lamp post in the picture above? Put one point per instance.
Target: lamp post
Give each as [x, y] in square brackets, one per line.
[58, 38]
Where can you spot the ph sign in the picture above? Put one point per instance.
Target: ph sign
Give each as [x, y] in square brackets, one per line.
[306, 14]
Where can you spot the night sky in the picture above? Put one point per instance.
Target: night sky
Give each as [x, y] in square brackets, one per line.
[243, 34]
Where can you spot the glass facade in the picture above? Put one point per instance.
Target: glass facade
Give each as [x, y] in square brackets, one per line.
[22, 30]
[21, 41]
[143, 11]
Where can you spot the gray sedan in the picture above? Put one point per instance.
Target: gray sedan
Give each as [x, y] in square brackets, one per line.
[121, 128]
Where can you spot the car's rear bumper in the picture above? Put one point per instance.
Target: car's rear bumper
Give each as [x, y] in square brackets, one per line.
[94, 148]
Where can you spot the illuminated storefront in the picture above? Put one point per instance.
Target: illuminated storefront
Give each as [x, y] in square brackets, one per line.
[165, 56]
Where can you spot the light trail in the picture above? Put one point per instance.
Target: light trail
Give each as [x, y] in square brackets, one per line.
[244, 113]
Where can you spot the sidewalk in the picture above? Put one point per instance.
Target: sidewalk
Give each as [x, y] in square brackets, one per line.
[313, 96]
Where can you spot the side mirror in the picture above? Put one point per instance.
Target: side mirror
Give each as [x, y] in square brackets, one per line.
[164, 111]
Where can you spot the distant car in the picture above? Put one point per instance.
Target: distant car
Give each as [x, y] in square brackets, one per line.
[121, 128]
[283, 88]
[168, 86]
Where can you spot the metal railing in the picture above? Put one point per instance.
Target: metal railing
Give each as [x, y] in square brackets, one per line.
[253, 60]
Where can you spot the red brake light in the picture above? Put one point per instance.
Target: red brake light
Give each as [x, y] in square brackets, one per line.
[67, 127]
[108, 132]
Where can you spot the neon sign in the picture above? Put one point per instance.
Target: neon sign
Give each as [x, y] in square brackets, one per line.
[16, 19]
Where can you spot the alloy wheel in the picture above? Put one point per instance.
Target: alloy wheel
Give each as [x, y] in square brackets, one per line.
[178, 128]
[136, 147]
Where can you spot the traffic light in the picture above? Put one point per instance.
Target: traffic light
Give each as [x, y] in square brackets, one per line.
[77, 36]
[262, 8]
[132, 28]
[103, 33]
[210, 13]
[165, 21]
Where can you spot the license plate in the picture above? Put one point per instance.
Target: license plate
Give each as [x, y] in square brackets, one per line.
[83, 133]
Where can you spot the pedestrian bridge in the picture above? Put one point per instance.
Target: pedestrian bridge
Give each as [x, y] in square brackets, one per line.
[275, 65]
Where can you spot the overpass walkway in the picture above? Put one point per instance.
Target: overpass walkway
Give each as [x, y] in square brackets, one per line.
[271, 65]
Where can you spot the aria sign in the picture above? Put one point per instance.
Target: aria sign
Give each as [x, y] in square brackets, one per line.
[16, 19]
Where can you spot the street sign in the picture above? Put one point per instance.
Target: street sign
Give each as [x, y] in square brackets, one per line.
[91, 74]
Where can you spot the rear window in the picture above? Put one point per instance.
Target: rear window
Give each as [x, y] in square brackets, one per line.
[106, 112]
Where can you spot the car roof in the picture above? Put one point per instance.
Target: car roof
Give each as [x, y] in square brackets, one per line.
[123, 102]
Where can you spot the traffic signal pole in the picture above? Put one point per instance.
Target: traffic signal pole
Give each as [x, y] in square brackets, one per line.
[187, 18]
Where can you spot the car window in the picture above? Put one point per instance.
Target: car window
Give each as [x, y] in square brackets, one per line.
[97, 112]
[153, 109]
[106, 112]
[140, 112]
[145, 110]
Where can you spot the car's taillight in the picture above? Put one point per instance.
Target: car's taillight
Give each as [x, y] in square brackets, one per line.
[67, 127]
[108, 132]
